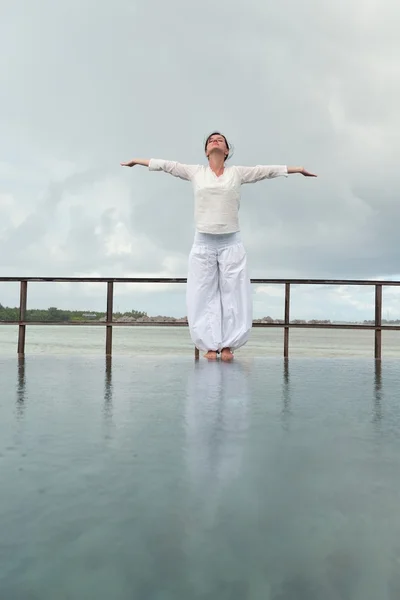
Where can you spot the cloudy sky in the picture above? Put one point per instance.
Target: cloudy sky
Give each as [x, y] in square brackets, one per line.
[87, 84]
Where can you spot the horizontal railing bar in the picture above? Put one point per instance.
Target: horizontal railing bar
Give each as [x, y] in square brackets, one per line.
[325, 282]
[97, 279]
[182, 324]
[362, 282]
[97, 323]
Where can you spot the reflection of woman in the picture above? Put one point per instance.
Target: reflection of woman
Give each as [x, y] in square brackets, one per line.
[218, 286]
[216, 435]
[216, 423]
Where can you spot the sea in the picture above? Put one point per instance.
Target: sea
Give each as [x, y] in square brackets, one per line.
[175, 341]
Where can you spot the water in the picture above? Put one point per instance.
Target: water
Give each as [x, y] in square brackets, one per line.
[156, 477]
[176, 341]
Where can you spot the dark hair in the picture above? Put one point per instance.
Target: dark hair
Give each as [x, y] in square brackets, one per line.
[222, 135]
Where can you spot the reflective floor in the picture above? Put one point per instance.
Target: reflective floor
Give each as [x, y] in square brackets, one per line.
[161, 478]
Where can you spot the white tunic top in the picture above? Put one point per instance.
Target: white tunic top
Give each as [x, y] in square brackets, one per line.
[217, 199]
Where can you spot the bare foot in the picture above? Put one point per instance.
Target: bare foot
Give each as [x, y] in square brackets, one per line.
[226, 354]
[211, 355]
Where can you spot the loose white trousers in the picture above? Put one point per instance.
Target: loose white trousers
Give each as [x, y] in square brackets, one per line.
[219, 300]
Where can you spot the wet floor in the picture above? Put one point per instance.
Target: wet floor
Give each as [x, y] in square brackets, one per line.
[160, 478]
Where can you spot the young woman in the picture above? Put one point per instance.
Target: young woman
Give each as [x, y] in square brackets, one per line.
[219, 303]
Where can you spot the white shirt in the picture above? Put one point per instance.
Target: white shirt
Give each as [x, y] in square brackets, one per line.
[217, 199]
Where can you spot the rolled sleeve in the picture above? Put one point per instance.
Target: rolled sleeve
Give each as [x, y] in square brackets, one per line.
[173, 168]
[259, 172]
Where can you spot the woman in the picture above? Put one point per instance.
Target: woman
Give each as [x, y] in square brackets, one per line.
[219, 302]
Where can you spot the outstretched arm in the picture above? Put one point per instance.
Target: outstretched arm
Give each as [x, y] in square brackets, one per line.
[300, 170]
[156, 164]
[136, 161]
[253, 174]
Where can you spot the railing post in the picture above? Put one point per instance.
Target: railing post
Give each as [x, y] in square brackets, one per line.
[23, 294]
[287, 321]
[109, 317]
[378, 321]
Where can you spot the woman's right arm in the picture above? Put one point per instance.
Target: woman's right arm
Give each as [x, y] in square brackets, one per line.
[172, 167]
[136, 161]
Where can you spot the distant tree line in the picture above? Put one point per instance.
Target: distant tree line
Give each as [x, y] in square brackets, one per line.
[54, 314]
[384, 321]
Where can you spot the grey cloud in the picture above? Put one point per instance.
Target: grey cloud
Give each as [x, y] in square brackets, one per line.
[94, 83]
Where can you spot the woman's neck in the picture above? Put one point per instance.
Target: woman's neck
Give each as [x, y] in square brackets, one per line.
[216, 164]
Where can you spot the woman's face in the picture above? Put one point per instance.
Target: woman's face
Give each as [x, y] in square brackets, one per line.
[217, 142]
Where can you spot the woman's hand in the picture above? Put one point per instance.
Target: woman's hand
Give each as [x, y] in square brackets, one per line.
[301, 171]
[130, 163]
[307, 173]
[144, 162]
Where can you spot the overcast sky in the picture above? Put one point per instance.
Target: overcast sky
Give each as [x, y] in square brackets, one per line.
[87, 84]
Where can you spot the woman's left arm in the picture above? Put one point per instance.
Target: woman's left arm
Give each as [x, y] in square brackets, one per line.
[253, 174]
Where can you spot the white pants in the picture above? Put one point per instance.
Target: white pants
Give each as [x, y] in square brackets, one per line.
[219, 302]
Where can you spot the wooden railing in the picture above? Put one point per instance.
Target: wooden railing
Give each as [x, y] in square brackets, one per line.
[286, 324]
